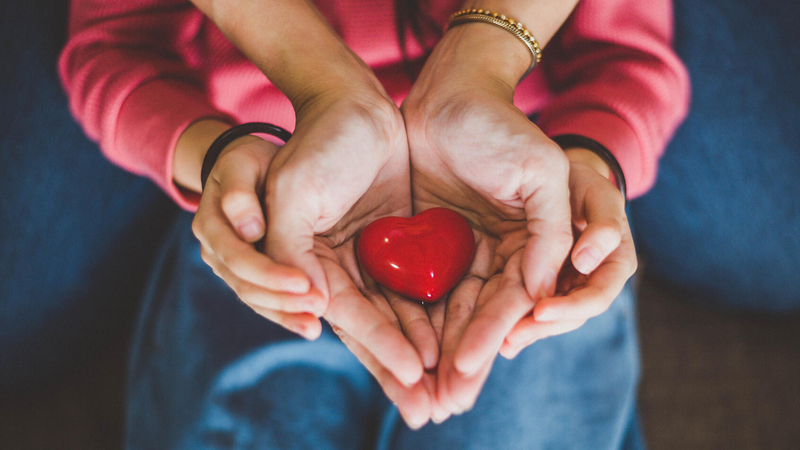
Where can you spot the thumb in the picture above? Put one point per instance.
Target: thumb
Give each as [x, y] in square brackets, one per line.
[238, 181]
[547, 209]
[291, 216]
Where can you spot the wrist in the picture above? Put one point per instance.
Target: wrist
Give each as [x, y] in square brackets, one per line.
[483, 54]
[190, 150]
[579, 155]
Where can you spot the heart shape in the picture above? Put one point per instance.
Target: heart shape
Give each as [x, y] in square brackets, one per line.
[420, 257]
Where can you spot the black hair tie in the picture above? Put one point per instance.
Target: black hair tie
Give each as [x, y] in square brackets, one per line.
[235, 133]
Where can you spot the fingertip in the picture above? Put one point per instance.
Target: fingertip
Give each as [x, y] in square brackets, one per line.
[251, 229]
[512, 353]
[466, 364]
[296, 282]
[414, 421]
[430, 358]
[410, 375]
[505, 350]
[545, 312]
[308, 326]
[586, 259]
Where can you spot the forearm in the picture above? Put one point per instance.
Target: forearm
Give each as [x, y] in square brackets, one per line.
[293, 45]
[618, 82]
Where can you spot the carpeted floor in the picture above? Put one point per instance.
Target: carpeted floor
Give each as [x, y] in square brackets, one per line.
[712, 380]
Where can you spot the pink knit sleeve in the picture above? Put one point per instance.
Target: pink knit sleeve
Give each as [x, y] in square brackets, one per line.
[126, 72]
[616, 80]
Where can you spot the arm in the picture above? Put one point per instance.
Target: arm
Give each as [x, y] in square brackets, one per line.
[131, 71]
[489, 147]
[124, 70]
[616, 80]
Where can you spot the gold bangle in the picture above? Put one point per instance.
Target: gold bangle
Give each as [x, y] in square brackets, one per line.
[508, 24]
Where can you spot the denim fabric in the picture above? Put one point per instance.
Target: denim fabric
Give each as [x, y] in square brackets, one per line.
[208, 373]
[723, 221]
[76, 234]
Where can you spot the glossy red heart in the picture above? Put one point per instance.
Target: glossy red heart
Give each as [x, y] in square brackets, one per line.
[420, 257]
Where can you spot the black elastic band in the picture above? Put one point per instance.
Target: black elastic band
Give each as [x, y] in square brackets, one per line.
[575, 140]
[235, 133]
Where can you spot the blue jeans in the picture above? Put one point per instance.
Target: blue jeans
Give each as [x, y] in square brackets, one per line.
[208, 373]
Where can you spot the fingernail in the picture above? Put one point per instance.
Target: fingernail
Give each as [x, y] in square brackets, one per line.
[586, 260]
[250, 229]
[429, 360]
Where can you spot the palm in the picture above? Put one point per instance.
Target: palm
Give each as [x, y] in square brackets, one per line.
[476, 156]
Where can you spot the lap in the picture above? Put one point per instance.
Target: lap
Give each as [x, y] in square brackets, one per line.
[207, 372]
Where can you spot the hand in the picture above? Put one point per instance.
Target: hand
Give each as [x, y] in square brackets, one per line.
[228, 223]
[602, 259]
[345, 166]
[472, 151]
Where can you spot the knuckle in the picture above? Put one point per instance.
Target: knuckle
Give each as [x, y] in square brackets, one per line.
[197, 227]
[608, 234]
[232, 260]
[236, 200]
[460, 311]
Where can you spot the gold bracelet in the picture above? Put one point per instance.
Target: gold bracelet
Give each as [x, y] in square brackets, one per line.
[508, 24]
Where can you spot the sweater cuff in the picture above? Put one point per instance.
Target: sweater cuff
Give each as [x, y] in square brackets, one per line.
[616, 135]
[151, 120]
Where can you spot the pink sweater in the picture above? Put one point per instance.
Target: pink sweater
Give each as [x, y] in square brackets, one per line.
[138, 72]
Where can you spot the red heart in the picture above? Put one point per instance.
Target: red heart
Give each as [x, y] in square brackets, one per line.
[420, 257]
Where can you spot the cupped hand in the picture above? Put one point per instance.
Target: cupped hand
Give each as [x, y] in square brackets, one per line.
[601, 262]
[472, 151]
[279, 226]
[345, 166]
[229, 222]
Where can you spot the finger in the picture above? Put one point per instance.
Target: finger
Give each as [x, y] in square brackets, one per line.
[465, 389]
[494, 319]
[603, 232]
[438, 413]
[304, 324]
[291, 217]
[436, 313]
[601, 288]
[238, 181]
[352, 312]
[217, 236]
[528, 331]
[413, 402]
[416, 326]
[458, 312]
[255, 295]
[545, 194]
